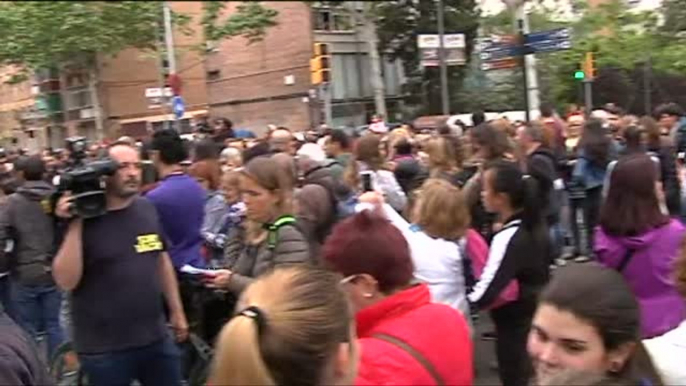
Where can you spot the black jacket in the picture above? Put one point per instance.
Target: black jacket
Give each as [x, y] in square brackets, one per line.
[27, 222]
[670, 181]
[542, 165]
[517, 252]
[20, 363]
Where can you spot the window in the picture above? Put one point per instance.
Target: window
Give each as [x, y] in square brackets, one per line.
[78, 98]
[213, 74]
[333, 20]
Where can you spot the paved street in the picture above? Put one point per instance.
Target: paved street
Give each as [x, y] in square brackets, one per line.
[484, 355]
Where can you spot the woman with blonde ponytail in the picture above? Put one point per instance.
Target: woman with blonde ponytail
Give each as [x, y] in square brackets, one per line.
[292, 327]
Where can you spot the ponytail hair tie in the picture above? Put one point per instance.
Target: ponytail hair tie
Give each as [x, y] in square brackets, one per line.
[257, 315]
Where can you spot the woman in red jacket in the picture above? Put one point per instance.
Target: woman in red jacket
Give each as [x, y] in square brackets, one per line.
[405, 339]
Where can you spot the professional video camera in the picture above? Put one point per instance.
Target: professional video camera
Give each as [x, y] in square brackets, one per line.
[83, 180]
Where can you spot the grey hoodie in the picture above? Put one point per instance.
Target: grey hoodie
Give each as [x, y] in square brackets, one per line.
[27, 220]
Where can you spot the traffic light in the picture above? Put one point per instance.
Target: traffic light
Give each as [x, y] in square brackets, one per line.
[579, 75]
[320, 65]
[588, 66]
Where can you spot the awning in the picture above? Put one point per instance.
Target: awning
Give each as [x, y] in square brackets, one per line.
[163, 117]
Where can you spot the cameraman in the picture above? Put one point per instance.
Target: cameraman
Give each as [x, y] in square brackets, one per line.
[118, 270]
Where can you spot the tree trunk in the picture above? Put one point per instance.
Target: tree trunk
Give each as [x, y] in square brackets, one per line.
[371, 37]
[95, 96]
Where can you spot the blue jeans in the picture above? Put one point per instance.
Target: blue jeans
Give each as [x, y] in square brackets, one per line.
[155, 364]
[37, 309]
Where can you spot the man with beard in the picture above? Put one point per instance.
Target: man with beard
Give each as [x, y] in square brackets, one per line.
[118, 270]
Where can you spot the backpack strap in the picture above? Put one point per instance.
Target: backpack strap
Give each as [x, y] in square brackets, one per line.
[273, 228]
[625, 260]
[401, 344]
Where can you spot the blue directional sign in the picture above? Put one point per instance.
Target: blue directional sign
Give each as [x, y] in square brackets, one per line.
[498, 50]
[178, 107]
[549, 41]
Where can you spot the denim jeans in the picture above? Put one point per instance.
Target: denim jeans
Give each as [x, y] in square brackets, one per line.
[37, 309]
[155, 364]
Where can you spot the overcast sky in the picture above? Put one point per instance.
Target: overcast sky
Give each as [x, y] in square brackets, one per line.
[494, 6]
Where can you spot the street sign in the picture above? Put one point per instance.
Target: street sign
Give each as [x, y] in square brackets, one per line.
[449, 41]
[429, 45]
[498, 47]
[549, 41]
[500, 64]
[453, 57]
[178, 107]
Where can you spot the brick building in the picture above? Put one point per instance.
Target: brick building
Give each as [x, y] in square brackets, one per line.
[14, 99]
[55, 105]
[267, 82]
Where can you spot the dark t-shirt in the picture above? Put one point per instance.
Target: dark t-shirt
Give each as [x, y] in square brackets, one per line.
[119, 302]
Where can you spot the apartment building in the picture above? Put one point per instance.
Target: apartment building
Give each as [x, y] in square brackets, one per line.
[254, 85]
[14, 98]
[56, 104]
[268, 82]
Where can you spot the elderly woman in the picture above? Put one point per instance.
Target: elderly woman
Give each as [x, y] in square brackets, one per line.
[405, 338]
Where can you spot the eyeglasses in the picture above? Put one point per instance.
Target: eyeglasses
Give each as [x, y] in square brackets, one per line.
[348, 279]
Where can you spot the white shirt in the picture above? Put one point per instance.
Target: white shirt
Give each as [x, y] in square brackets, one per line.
[669, 355]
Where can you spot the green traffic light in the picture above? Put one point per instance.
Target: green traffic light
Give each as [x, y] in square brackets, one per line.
[579, 75]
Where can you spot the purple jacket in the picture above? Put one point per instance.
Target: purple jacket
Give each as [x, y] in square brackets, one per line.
[649, 273]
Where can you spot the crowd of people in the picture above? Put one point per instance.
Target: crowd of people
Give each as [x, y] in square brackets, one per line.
[330, 259]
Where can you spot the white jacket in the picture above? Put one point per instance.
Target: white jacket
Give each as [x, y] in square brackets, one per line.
[437, 262]
[669, 355]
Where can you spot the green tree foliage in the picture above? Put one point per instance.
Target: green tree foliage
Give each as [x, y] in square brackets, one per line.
[250, 20]
[400, 21]
[621, 39]
[48, 34]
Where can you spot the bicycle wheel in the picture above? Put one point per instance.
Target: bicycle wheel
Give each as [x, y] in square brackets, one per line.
[64, 366]
[199, 373]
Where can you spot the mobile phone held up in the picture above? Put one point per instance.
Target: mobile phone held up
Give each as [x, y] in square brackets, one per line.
[367, 181]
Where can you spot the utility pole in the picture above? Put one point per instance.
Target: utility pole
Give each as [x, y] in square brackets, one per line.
[647, 87]
[93, 89]
[588, 97]
[375, 61]
[160, 75]
[169, 41]
[445, 101]
[522, 26]
[525, 76]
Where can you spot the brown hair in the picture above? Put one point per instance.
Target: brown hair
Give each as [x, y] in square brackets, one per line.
[208, 170]
[442, 210]
[632, 206]
[601, 297]
[445, 154]
[367, 151]
[505, 126]
[267, 173]
[652, 130]
[299, 316]
[494, 142]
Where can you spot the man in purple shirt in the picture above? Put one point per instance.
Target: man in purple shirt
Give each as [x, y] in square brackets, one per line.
[179, 199]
